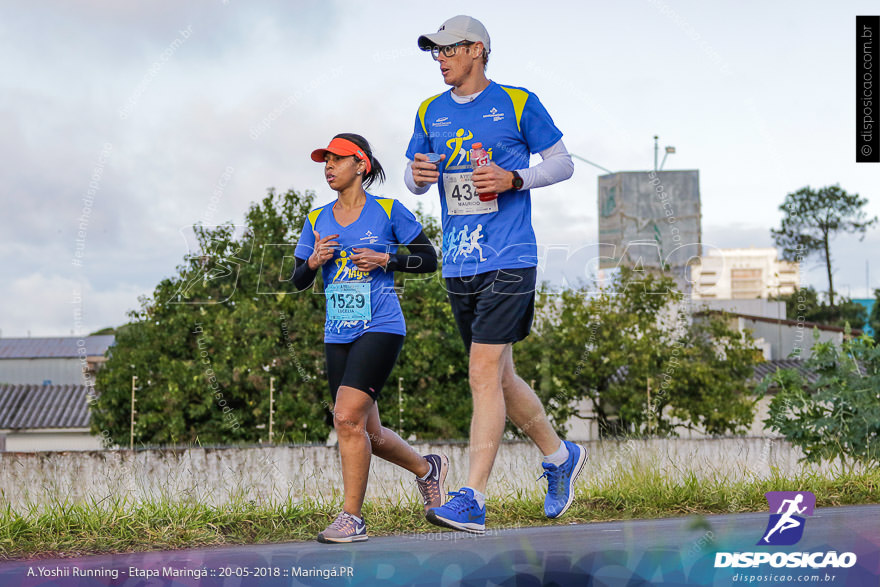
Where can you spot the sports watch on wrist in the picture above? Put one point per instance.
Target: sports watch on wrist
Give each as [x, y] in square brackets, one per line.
[517, 181]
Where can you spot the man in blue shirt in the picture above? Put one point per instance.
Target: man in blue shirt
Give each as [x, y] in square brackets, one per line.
[489, 251]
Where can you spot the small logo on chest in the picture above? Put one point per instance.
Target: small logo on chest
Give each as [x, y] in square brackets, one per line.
[494, 115]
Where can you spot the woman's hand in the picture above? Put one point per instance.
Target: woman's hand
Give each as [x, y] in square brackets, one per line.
[323, 251]
[368, 259]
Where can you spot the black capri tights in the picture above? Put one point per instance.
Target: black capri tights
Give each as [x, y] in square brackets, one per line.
[363, 364]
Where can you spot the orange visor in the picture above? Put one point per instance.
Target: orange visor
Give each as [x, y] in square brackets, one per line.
[343, 148]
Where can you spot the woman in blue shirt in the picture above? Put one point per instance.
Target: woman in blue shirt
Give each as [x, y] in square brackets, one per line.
[354, 242]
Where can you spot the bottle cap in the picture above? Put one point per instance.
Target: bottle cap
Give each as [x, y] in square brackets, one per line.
[477, 146]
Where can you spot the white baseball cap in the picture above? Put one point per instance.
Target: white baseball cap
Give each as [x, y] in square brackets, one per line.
[455, 30]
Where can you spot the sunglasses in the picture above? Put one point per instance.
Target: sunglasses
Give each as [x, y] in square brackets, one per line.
[448, 50]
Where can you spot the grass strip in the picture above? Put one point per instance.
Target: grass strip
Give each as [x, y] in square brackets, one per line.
[114, 525]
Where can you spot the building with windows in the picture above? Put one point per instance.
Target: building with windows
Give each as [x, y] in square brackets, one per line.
[751, 273]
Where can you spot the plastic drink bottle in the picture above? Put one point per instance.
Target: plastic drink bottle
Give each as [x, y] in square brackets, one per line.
[479, 158]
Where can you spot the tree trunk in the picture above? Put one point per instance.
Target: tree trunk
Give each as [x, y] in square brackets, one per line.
[828, 269]
[609, 423]
[601, 418]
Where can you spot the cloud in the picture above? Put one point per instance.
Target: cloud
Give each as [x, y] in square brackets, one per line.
[269, 66]
[56, 301]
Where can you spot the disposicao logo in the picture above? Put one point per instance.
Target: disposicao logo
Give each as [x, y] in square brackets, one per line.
[785, 528]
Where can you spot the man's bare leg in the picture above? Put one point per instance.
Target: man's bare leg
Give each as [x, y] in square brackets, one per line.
[524, 408]
[487, 423]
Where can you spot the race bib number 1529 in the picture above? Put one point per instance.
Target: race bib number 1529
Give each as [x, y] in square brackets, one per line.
[349, 301]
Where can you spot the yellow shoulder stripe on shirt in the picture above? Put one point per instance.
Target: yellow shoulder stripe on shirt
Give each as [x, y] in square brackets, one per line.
[386, 204]
[518, 97]
[423, 108]
[313, 216]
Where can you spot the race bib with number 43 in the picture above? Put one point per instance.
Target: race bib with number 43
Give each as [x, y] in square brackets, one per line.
[462, 198]
[349, 301]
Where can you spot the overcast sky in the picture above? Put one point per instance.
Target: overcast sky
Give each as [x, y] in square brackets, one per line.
[177, 113]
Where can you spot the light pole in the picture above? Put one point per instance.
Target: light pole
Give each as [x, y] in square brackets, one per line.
[271, 407]
[399, 406]
[133, 412]
[670, 150]
[655, 152]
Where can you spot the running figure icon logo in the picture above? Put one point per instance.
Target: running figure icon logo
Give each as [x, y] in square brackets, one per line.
[465, 242]
[786, 525]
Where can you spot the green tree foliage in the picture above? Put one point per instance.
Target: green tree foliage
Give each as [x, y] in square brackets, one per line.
[644, 367]
[812, 219]
[206, 342]
[838, 415]
[804, 305]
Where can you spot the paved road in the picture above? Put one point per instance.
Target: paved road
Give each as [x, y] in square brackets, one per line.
[678, 551]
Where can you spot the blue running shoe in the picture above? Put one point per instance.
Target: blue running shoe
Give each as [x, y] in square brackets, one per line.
[560, 480]
[462, 512]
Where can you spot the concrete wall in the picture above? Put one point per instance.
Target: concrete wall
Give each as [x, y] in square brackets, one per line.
[587, 429]
[216, 476]
[654, 218]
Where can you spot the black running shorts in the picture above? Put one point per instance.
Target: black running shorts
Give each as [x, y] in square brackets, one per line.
[364, 364]
[496, 307]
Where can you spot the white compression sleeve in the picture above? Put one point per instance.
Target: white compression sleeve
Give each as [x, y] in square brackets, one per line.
[555, 167]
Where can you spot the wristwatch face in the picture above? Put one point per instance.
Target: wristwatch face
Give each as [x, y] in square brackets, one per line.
[517, 181]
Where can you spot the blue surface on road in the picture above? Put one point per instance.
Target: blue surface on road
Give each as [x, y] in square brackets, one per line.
[677, 551]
